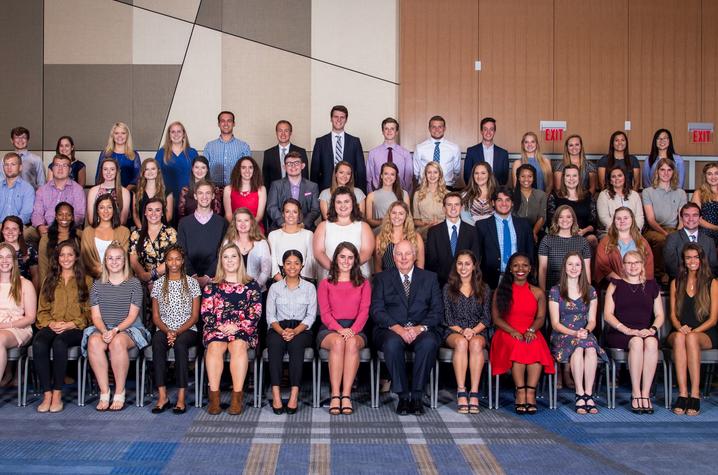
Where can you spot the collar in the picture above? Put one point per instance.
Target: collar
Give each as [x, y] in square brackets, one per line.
[449, 224]
[301, 283]
[499, 219]
[694, 233]
[410, 274]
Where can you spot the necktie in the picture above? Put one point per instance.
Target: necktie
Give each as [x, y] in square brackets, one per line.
[507, 244]
[437, 153]
[693, 238]
[282, 154]
[390, 156]
[407, 285]
[453, 239]
[338, 151]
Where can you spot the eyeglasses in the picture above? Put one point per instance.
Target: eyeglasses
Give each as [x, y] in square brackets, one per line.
[293, 163]
[632, 263]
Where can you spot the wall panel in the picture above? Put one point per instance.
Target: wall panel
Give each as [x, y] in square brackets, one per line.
[709, 73]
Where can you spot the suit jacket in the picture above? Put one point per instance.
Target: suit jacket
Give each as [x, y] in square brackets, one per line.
[475, 155]
[438, 248]
[490, 250]
[672, 251]
[323, 161]
[281, 190]
[272, 167]
[389, 305]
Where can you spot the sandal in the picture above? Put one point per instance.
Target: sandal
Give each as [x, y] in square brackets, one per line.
[531, 408]
[649, 408]
[519, 408]
[580, 408]
[336, 410]
[118, 402]
[461, 408]
[347, 410]
[104, 403]
[694, 406]
[473, 408]
[679, 408]
[590, 408]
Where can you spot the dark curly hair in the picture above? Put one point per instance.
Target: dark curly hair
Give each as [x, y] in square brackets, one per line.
[332, 214]
[55, 274]
[355, 275]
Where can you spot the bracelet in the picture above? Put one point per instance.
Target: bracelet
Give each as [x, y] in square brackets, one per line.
[531, 330]
[653, 327]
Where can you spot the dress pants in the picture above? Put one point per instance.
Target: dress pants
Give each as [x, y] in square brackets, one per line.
[44, 341]
[183, 343]
[425, 348]
[276, 347]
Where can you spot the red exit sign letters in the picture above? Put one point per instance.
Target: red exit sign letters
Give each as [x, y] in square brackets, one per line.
[700, 132]
[552, 130]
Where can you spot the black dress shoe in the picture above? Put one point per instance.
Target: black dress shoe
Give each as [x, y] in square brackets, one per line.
[179, 409]
[403, 407]
[417, 407]
[162, 408]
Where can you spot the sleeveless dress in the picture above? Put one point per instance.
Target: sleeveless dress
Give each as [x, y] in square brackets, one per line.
[539, 183]
[387, 260]
[10, 312]
[688, 317]
[573, 314]
[245, 199]
[334, 235]
[506, 350]
[382, 200]
[633, 308]
[709, 212]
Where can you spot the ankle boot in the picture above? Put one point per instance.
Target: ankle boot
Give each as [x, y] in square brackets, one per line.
[213, 406]
[237, 404]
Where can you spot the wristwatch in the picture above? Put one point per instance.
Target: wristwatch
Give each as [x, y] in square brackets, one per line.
[531, 330]
[424, 328]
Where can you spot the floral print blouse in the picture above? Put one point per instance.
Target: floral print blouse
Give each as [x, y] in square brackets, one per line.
[152, 253]
[231, 303]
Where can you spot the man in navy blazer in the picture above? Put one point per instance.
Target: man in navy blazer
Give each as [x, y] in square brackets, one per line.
[691, 232]
[439, 253]
[335, 147]
[491, 242]
[293, 186]
[487, 151]
[273, 166]
[407, 310]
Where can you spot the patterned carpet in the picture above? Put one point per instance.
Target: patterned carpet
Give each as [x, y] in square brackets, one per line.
[80, 440]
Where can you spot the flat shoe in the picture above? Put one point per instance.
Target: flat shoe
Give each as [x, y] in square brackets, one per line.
[118, 398]
[161, 409]
[179, 409]
[58, 408]
[104, 403]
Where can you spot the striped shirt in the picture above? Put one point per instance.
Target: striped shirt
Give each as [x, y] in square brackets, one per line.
[115, 300]
[299, 303]
[223, 156]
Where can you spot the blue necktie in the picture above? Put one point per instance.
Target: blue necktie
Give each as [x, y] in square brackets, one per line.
[453, 240]
[507, 244]
[437, 154]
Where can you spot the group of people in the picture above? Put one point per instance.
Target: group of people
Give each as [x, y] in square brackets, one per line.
[213, 252]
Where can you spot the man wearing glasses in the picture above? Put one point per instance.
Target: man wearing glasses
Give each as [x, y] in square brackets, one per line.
[293, 185]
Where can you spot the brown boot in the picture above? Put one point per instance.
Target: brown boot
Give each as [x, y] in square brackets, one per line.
[237, 404]
[213, 406]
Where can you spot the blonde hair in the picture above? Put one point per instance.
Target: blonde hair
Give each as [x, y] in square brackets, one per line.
[656, 180]
[612, 241]
[167, 147]
[142, 185]
[385, 230]
[638, 255]
[255, 234]
[129, 148]
[705, 192]
[15, 278]
[221, 274]
[544, 163]
[105, 277]
[423, 188]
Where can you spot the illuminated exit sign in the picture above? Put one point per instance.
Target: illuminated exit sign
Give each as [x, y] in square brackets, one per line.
[552, 130]
[700, 132]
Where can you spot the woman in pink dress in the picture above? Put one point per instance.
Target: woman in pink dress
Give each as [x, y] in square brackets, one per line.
[246, 190]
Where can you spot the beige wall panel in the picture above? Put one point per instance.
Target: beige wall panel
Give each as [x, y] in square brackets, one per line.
[591, 75]
[369, 102]
[198, 98]
[157, 39]
[357, 35]
[439, 44]
[184, 9]
[260, 85]
[709, 102]
[664, 70]
[88, 32]
[516, 81]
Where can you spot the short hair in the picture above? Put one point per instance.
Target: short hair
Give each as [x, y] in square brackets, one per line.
[451, 194]
[437, 117]
[283, 121]
[501, 190]
[293, 154]
[339, 108]
[18, 131]
[59, 156]
[690, 205]
[202, 183]
[11, 155]
[486, 120]
[390, 120]
[225, 112]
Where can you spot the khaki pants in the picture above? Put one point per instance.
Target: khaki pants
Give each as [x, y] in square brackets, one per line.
[657, 242]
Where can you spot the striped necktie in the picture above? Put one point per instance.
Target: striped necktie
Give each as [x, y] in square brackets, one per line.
[338, 151]
[407, 285]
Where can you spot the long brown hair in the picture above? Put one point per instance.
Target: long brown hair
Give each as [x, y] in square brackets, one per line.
[355, 274]
[118, 182]
[55, 275]
[396, 187]
[612, 191]
[562, 191]
[335, 185]
[477, 283]
[583, 285]
[20, 237]
[472, 190]
[255, 234]
[142, 186]
[612, 241]
[704, 279]
[582, 155]
[554, 228]
[332, 216]
[255, 182]
[15, 279]
[705, 192]
[655, 178]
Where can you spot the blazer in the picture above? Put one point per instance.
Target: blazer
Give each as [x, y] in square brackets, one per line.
[88, 251]
[475, 155]
[438, 248]
[281, 190]
[674, 247]
[389, 305]
[322, 166]
[490, 251]
[272, 167]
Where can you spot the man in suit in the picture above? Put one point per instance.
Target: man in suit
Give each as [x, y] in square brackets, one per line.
[488, 152]
[334, 147]
[447, 238]
[407, 310]
[691, 232]
[502, 236]
[273, 164]
[437, 149]
[293, 186]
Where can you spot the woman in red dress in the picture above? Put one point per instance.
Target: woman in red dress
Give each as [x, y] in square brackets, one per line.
[519, 310]
[246, 190]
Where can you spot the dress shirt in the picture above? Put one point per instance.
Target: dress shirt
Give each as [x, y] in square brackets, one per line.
[410, 274]
[33, 171]
[500, 235]
[48, 196]
[449, 225]
[283, 151]
[223, 156]
[488, 154]
[694, 233]
[449, 159]
[299, 303]
[16, 200]
[401, 157]
[335, 135]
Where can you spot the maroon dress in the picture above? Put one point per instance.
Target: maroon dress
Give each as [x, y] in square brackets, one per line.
[633, 306]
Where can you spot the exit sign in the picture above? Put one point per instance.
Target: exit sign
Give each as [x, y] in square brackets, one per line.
[700, 132]
[552, 130]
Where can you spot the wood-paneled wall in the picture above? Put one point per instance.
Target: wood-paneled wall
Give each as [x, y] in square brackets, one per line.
[594, 64]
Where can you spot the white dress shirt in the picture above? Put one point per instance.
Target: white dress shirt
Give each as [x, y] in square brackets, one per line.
[449, 159]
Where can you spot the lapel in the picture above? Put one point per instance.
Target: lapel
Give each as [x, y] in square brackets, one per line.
[493, 232]
[397, 279]
[302, 190]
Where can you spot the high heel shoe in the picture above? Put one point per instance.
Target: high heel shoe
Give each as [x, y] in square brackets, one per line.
[531, 408]
[520, 409]
[637, 409]
[649, 407]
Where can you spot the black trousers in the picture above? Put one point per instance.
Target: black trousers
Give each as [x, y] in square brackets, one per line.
[183, 343]
[46, 340]
[276, 347]
[425, 348]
